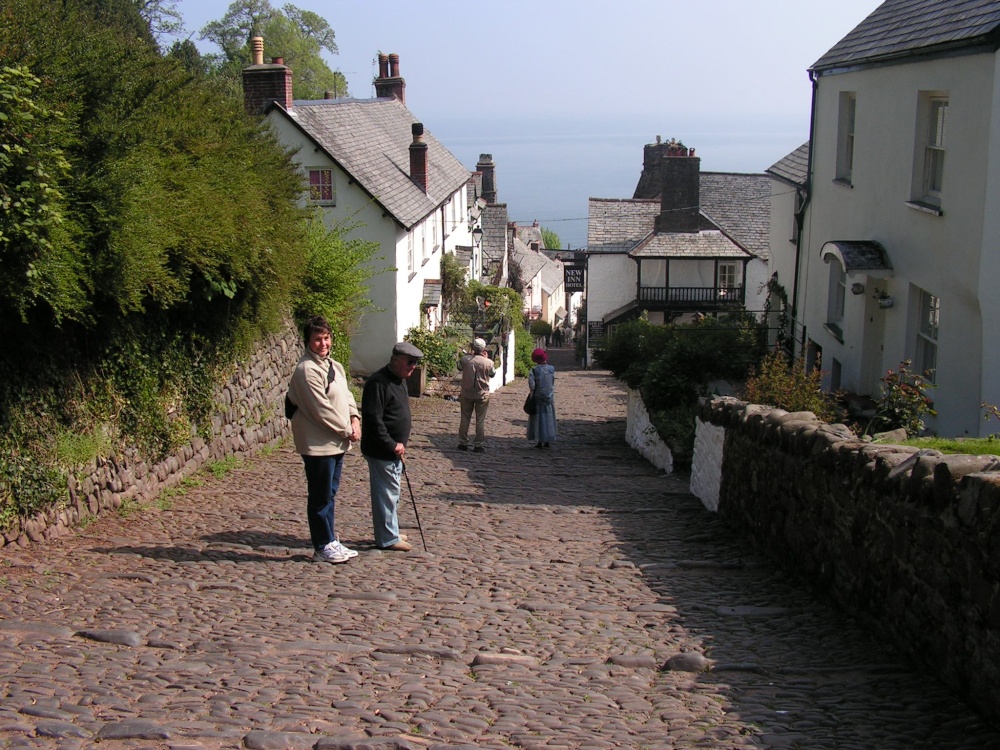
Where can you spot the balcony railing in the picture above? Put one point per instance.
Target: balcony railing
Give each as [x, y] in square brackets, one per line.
[692, 296]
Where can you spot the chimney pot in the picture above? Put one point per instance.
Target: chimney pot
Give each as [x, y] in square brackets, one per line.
[263, 85]
[278, 60]
[389, 84]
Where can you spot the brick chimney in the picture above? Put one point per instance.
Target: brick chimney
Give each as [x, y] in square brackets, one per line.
[680, 190]
[418, 156]
[487, 168]
[389, 83]
[265, 83]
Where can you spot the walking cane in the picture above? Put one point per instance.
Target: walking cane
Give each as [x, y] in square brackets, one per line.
[412, 500]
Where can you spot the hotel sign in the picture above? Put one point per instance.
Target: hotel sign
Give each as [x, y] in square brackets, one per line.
[573, 277]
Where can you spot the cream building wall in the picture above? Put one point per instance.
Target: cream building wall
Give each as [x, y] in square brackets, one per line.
[952, 256]
[397, 287]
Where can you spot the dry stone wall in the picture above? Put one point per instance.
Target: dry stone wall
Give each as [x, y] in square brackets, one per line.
[907, 540]
[249, 415]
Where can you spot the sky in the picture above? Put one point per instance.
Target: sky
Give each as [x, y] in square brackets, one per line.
[728, 77]
[582, 58]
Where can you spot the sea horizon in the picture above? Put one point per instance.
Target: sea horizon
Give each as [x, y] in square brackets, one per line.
[547, 170]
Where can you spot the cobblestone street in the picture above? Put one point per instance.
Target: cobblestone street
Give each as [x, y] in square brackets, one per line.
[569, 598]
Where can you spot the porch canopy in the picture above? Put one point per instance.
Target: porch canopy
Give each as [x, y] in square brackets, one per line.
[859, 257]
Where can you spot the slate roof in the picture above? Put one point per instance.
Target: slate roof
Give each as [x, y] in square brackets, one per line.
[794, 167]
[432, 292]
[737, 204]
[740, 205]
[531, 263]
[615, 225]
[710, 244]
[370, 139]
[494, 232]
[552, 274]
[529, 233]
[903, 28]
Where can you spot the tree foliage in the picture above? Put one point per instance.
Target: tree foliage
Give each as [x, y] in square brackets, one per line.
[550, 239]
[299, 36]
[37, 232]
[335, 285]
[150, 231]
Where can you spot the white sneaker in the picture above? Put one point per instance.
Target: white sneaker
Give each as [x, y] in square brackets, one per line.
[330, 554]
[336, 545]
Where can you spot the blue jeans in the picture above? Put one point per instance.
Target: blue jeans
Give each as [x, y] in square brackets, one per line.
[323, 481]
[383, 479]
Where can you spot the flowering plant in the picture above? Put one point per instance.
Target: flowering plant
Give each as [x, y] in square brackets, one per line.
[904, 402]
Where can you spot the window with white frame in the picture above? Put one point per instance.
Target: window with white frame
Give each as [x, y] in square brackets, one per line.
[411, 261]
[727, 276]
[845, 136]
[928, 173]
[929, 311]
[321, 188]
[836, 298]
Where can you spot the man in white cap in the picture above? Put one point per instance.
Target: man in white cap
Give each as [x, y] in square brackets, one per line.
[477, 369]
[385, 430]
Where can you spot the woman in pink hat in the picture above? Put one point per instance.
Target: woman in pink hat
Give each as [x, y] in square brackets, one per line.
[541, 384]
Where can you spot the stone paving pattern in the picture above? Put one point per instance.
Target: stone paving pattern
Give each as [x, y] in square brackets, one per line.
[569, 598]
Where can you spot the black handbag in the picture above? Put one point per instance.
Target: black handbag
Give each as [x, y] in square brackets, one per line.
[530, 407]
[290, 408]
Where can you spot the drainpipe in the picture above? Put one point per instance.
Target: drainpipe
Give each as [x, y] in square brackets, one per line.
[800, 215]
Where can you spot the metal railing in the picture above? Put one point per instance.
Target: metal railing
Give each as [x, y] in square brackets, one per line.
[692, 296]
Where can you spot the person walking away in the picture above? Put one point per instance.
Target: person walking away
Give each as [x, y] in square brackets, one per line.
[386, 422]
[477, 369]
[541, 387]
[324, 424]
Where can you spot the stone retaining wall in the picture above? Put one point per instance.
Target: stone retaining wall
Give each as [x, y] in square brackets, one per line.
[907, 540]
[250, 414]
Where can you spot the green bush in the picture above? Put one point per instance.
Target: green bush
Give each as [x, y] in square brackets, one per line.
[440, 351]
[672, 365]
[540, 329]
[788, 386]
[524, 345]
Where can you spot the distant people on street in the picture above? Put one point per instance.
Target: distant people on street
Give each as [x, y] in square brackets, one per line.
[477, 369]
[324, 424]
[557, 337]
[385, 416]
[541, 386]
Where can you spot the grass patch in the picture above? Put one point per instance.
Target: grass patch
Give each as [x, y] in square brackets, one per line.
[220, 469]
[965, 446]
[128, 507]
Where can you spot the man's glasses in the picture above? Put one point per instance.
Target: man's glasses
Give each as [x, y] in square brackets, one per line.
[412, 362]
